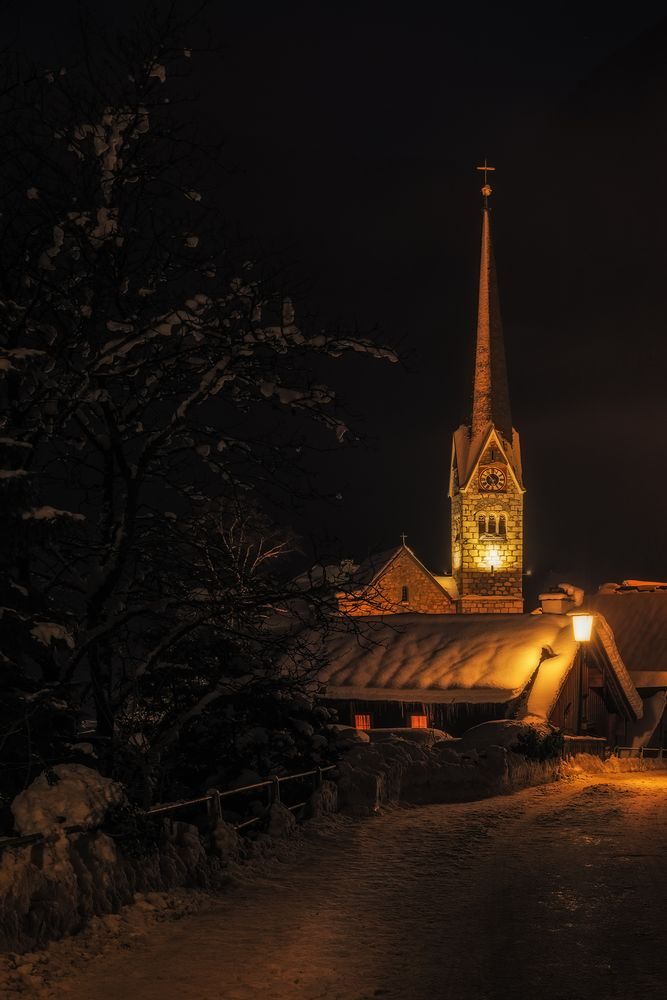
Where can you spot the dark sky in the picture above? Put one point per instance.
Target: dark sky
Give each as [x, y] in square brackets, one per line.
[353, 130]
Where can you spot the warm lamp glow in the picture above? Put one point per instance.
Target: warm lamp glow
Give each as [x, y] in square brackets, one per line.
[582, 625]
[362, 722]
[493, 559]
[418, 722]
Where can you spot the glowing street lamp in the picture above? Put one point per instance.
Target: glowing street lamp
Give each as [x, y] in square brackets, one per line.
[582, 627]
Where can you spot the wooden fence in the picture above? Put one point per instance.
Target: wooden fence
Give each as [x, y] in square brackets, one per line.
[213, 800]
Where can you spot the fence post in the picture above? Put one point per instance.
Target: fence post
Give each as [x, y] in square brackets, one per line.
[318, 778]
[214, 807]
[274, 790]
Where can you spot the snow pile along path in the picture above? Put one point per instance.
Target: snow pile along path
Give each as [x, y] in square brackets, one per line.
[556, 892]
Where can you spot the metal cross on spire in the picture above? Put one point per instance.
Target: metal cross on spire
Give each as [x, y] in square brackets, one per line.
[487, 189]
[403, 537]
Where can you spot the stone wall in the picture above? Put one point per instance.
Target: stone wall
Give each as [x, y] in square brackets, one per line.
[474, 604]
[383, 596]
[400, 771]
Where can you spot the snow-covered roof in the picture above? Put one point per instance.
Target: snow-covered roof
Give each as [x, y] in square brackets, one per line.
[638, 620]
[449, 658]
[449, 584]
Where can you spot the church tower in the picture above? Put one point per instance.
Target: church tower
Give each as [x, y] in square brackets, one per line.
[486, 487]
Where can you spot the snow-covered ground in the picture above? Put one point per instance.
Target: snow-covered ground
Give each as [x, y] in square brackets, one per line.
[556, 892]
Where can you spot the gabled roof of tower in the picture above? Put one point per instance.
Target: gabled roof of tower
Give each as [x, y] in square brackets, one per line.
[491, 401]
[467, 452]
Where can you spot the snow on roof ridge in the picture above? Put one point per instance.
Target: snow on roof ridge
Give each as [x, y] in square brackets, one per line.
[604, 632]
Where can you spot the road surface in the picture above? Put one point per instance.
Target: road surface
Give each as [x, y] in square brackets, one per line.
[556, 892]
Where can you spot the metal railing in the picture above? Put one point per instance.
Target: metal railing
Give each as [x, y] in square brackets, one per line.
[596, 746]
[641, 753]
[215, 796]
[213, 800]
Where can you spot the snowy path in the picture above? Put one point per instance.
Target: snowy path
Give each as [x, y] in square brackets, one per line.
[557, 892]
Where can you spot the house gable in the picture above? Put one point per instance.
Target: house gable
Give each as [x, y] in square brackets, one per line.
[401, 585]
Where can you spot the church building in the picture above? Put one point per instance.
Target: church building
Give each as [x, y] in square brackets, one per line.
[486, 492]
[452, 651]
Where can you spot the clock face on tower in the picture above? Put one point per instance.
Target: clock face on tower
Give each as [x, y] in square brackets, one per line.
[492, 479]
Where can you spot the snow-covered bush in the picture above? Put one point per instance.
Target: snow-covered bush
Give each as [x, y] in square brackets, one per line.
[540, 746]
[65, 795]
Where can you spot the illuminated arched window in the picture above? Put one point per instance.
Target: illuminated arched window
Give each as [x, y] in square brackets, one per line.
[492, 524]
[502, 525]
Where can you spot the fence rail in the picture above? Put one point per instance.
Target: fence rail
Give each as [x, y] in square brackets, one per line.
[641, 753]
[597, 746]
[212, 799]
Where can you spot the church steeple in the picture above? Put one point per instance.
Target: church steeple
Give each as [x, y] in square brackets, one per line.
[491, 401]
[485, 484]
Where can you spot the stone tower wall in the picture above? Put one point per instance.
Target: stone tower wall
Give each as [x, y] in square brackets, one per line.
[484, 589]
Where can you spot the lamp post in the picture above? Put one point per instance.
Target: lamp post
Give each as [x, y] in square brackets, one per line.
[582, 627]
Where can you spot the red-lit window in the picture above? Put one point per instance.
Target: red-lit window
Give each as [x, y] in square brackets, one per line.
[362, 722]
[418, 722]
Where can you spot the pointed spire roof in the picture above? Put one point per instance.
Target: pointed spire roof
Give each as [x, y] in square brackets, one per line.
[491, 401]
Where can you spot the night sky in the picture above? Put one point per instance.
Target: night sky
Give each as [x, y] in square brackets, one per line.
[352, 133]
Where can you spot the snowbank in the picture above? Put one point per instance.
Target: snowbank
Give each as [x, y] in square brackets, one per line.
[585, 763]
[57, 886]
[398, 770]
[66, 795]
[503, 732]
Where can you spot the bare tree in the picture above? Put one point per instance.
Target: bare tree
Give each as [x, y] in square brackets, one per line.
[146, 370]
